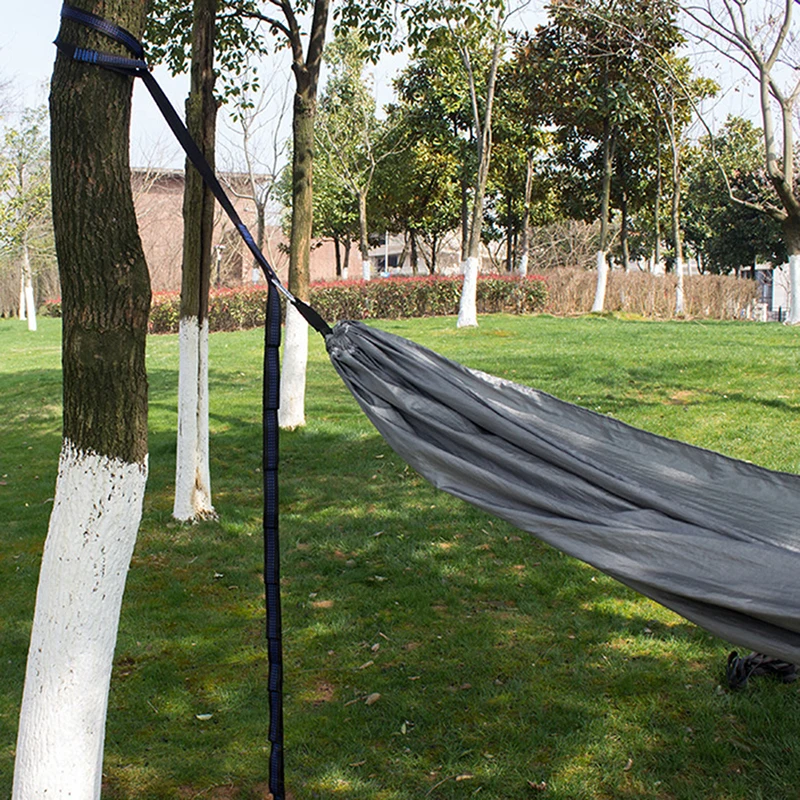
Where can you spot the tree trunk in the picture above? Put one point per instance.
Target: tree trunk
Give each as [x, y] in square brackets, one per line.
[657, 206]
[412, 235]
[363, 236]
[337, 249]
[623, 234]
[791, 235]
[346, 264]
[192, 474]
[524, 240]
[103, 462]
[509, 233]
[467, 308]
[27, 283]
[605, 206]
[295, 352]
[677, 242]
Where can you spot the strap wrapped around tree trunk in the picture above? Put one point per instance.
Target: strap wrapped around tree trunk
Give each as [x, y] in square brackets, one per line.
[271, 401]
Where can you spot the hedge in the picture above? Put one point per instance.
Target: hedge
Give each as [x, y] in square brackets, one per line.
[382, 298]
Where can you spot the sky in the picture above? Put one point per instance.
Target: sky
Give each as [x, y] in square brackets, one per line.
[27, 54]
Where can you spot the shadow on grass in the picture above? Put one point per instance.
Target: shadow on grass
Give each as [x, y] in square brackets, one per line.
[495, 657]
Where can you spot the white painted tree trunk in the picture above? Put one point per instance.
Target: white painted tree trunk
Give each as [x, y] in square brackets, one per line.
[291, 413]
[794, 290]
[345, 271]
[22, 310]
[366, 269]
[192, 473]
[468, 306]
[602, 280]
[93, 526]
[31, 307]
[27, 277]
[680, 270]
[523, 265]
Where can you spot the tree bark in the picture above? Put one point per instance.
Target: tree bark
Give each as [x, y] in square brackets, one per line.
[306, 72]
[609, 142]
[363, 236]
[524, 240]
[192, 473]
[103, 463]
[467, 308]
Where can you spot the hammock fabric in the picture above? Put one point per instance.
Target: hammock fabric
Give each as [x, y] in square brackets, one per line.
[713, 538]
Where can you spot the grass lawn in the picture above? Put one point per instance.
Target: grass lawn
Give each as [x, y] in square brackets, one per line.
[505, 669]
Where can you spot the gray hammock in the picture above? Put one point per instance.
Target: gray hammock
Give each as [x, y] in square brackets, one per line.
[713, 538]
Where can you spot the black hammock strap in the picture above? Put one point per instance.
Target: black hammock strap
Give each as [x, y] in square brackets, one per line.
[137, 67]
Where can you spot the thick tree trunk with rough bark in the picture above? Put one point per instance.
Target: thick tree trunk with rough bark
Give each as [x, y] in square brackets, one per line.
[103, 464]
[192, 474]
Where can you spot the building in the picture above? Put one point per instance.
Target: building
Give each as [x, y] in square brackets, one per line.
[158, 197]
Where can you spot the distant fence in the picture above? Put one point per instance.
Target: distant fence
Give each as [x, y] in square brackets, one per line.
[571, 291]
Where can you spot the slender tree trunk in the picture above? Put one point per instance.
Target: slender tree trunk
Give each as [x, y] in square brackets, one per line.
[23, 312]
[524, 240]
[657, 205]
[509, 232]
[363, 236]
[346, 264]
[103, 462]
[677, 242]
[412, 235]
[192, 474]
[609, 141]
[467, 308]
[295, 359]
[27, 281]
[623, 236]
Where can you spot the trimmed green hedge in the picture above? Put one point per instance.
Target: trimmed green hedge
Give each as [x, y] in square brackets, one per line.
[382, 298]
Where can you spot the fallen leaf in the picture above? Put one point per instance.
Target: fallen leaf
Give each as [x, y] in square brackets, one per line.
[465, 777]
[627, 767]
[367, 664]
[203, 717]
[541, 786]
[373, 698]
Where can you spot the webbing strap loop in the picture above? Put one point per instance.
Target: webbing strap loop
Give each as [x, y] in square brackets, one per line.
[113, 31]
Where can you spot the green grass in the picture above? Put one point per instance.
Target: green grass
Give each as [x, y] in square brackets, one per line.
[500, 663]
